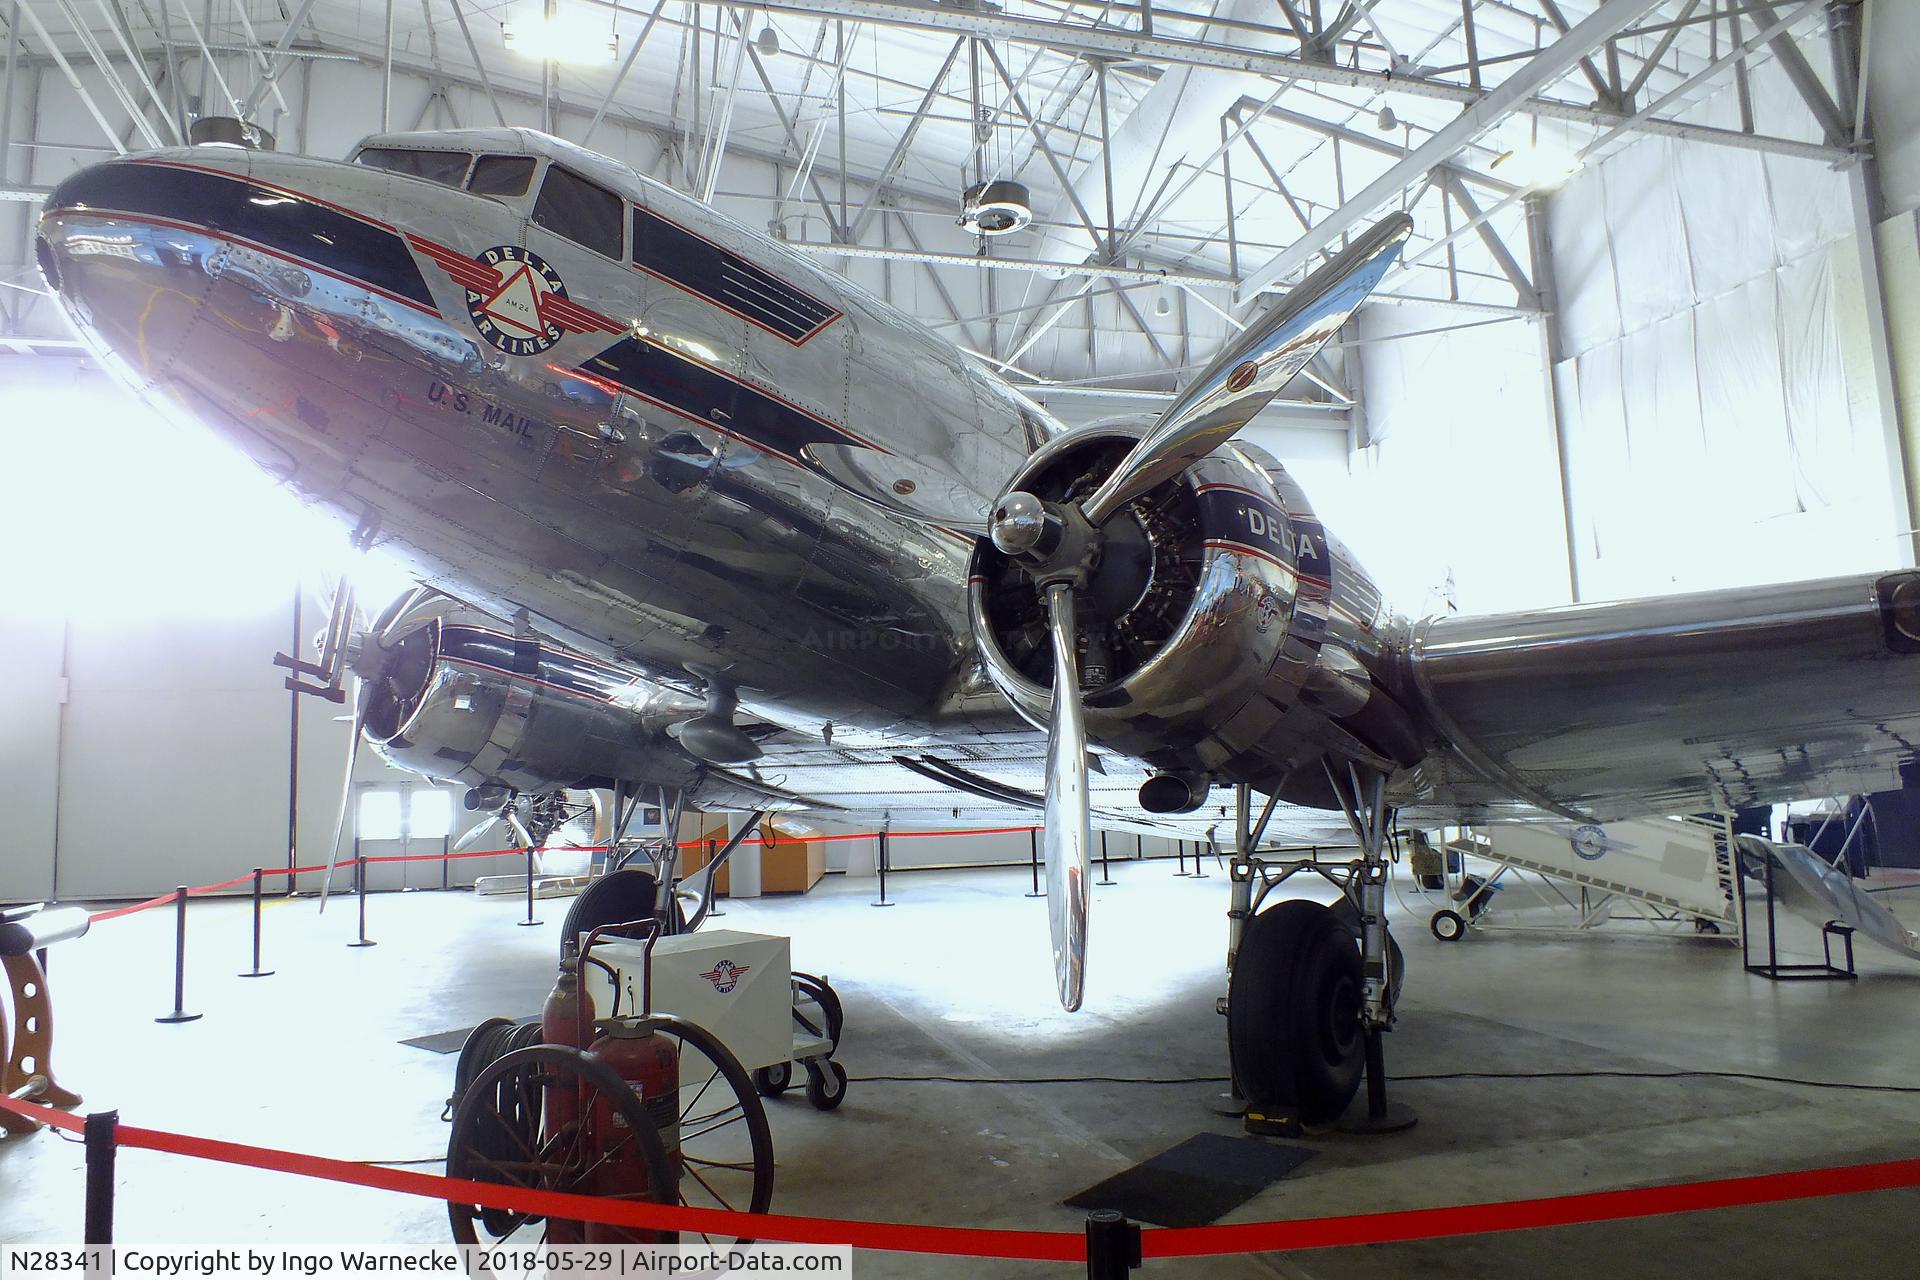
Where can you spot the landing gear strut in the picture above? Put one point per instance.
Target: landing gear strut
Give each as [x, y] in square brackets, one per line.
[1311, 989]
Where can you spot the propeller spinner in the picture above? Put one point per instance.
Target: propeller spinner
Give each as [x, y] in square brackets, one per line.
[1059, 544]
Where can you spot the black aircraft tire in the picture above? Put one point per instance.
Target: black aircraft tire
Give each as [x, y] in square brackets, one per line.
[616, 898]
[1293, 1012]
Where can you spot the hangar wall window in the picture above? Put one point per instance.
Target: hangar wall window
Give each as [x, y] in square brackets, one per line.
[501, 175]
[444, 167]
[403, 813]
[380, 815]
[589, 215]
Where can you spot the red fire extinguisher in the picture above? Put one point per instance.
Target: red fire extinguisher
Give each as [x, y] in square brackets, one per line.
[648, 1061]
[566, 1019]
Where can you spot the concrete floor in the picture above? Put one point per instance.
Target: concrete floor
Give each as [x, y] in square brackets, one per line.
[956, 980]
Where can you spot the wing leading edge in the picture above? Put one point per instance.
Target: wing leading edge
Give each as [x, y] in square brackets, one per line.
[1718, 700]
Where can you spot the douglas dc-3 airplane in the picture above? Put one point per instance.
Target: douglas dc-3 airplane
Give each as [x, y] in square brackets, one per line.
[719, 522]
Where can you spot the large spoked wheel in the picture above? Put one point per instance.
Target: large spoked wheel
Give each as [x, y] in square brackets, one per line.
[1294, 1003]
[521, 1123]
[726, 1149]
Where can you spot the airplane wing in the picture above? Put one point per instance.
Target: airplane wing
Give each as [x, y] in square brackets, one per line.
[1719, 700]
[1000, 783]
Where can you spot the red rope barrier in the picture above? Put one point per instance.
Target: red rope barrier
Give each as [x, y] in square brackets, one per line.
[115, 913]
[1046, 1246]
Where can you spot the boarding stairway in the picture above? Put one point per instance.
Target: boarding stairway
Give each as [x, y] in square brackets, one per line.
[1676, 873]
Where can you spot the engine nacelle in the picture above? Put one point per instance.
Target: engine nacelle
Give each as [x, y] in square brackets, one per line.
[462, 702]
[1215, 641]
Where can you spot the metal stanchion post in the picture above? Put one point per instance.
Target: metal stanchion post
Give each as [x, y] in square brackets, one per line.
[1104, 877]
[179, 1013]
[713, 911]
[883, 901]
[360, 885]
[1198, 872]
[529, 920]
[1033, 857]
[1180, 857]
[1113, 1245]
[446, 848]
[259, 874]
[101, 1144]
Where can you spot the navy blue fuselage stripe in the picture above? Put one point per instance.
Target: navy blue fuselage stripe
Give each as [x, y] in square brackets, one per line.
[700, 392]
[724, 278]
[1241, 517]
[275, 219]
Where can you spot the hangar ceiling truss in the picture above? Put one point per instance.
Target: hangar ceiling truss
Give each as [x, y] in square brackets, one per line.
[1185, 163]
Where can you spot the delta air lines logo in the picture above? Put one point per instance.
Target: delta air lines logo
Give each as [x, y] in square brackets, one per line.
[726, 975]
[515, 299]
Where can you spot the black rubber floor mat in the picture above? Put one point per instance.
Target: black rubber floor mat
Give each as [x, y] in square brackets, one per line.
[441, 1041]
[1195, 1183]
[448, 1041]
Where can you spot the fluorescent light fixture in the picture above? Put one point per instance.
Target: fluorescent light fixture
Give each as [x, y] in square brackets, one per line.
[582, 39]
[1538, 166]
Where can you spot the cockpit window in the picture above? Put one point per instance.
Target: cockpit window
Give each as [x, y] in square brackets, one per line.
[588, 215]
[444, 167]
[501, 175]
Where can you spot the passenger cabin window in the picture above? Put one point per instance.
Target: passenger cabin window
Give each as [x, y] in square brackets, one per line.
[586, 214]
[501, 175]
[444, 167]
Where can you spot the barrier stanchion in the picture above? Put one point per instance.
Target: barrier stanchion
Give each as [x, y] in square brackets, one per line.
[529, 921]
[1113, 1245]
[714, 884]
[1105, 878]
[883, 901]
[259, 874]
[1033, 857]
[360, 887]
[101, 1143]
[179, 1013]
[1199, 872]
[1180, 858]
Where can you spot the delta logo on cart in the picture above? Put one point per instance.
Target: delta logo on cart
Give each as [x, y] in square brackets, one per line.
[726, 975]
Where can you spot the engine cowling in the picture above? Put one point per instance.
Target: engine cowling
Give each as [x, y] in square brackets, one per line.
[1205, 640]
[463, 702]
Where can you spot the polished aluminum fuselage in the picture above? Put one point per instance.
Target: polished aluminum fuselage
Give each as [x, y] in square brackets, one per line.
[630, 523]
[723, 465]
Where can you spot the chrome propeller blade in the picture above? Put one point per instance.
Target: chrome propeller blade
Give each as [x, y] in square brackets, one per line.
[1068, 833]
[1247, 375]
[471, 836]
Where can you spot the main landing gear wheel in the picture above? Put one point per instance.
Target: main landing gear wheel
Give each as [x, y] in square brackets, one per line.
[520, 1124]
[1294, 1002]
[618, 897]
[1448, 926]
[826, 1086]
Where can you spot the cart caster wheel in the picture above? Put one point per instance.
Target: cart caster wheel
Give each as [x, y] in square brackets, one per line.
[1448, 926]
[773, 1081]
[826, 1089]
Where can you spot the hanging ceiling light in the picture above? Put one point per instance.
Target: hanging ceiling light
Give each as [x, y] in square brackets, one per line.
[767, 42]
[997, 208]
[583, 39]
[1386, 121]
[1538, 166]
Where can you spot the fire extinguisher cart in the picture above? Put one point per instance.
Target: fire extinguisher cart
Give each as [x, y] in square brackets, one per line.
[559, 1117]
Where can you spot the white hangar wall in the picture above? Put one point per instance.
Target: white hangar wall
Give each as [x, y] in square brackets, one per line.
[1718, 388]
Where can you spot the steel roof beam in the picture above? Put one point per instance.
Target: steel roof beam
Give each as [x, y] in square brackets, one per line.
[1090, 41]
[1548, 66]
